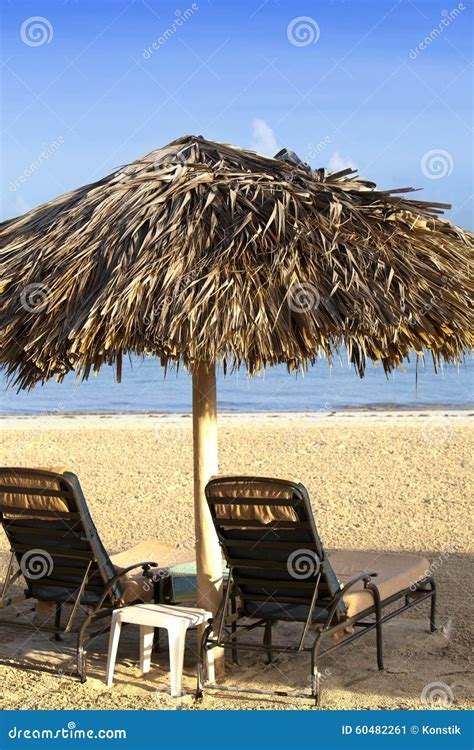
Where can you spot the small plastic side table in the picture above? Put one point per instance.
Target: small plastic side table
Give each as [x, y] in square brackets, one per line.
[176, 620]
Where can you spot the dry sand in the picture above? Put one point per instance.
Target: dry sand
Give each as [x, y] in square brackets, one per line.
[391, 481]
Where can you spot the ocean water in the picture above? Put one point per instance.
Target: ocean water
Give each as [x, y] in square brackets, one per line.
[145, 389]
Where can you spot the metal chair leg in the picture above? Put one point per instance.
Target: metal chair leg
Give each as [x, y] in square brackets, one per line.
[267, 639]
[235, 653]
[379, 636]
[158, 598]
[202, 661]
[81, 649]
[156, 641]
[81, 663]
[57, 622]
[433, 627]
[378, 626]
[315, 678]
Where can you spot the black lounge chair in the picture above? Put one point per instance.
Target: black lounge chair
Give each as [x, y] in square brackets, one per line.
[56, 549]
[279, 571]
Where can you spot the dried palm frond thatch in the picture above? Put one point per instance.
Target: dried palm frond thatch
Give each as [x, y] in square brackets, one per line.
[201, 251]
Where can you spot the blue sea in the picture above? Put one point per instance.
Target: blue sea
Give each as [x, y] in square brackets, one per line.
[145, 389]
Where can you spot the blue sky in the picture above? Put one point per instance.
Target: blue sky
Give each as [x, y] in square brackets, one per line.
[349, 76]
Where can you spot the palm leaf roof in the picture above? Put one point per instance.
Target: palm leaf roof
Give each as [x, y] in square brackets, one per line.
[201, 251]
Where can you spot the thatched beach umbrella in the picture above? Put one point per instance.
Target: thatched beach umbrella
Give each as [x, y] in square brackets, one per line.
[203, 253]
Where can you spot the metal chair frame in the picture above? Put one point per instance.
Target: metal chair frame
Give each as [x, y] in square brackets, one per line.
[230, 623]
[82, 577]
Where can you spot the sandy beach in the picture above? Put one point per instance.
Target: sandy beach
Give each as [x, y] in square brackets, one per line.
[393, 481]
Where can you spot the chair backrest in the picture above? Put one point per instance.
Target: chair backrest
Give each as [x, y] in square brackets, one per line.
[52, 535]
[268, 534]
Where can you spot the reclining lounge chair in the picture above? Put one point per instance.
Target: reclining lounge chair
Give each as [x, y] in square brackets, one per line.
[55, 547]
[279, 571]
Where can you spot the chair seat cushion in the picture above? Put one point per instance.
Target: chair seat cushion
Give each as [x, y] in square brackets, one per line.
[135, 585]
[395, 572]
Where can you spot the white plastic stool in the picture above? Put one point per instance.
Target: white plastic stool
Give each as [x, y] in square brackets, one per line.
[176, 620]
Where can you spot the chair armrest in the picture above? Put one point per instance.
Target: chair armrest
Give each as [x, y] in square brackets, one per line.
[364, 576]
[116, 579]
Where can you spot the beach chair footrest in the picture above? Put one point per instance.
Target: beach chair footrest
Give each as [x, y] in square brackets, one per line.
[255, 691]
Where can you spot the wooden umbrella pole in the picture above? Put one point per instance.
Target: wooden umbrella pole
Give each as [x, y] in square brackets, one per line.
[208, 553]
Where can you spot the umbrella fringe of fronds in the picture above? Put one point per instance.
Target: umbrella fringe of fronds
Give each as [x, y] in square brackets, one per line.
[201, 251]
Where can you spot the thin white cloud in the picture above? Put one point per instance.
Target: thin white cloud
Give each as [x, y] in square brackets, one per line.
[264, 140]
[338, 162]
